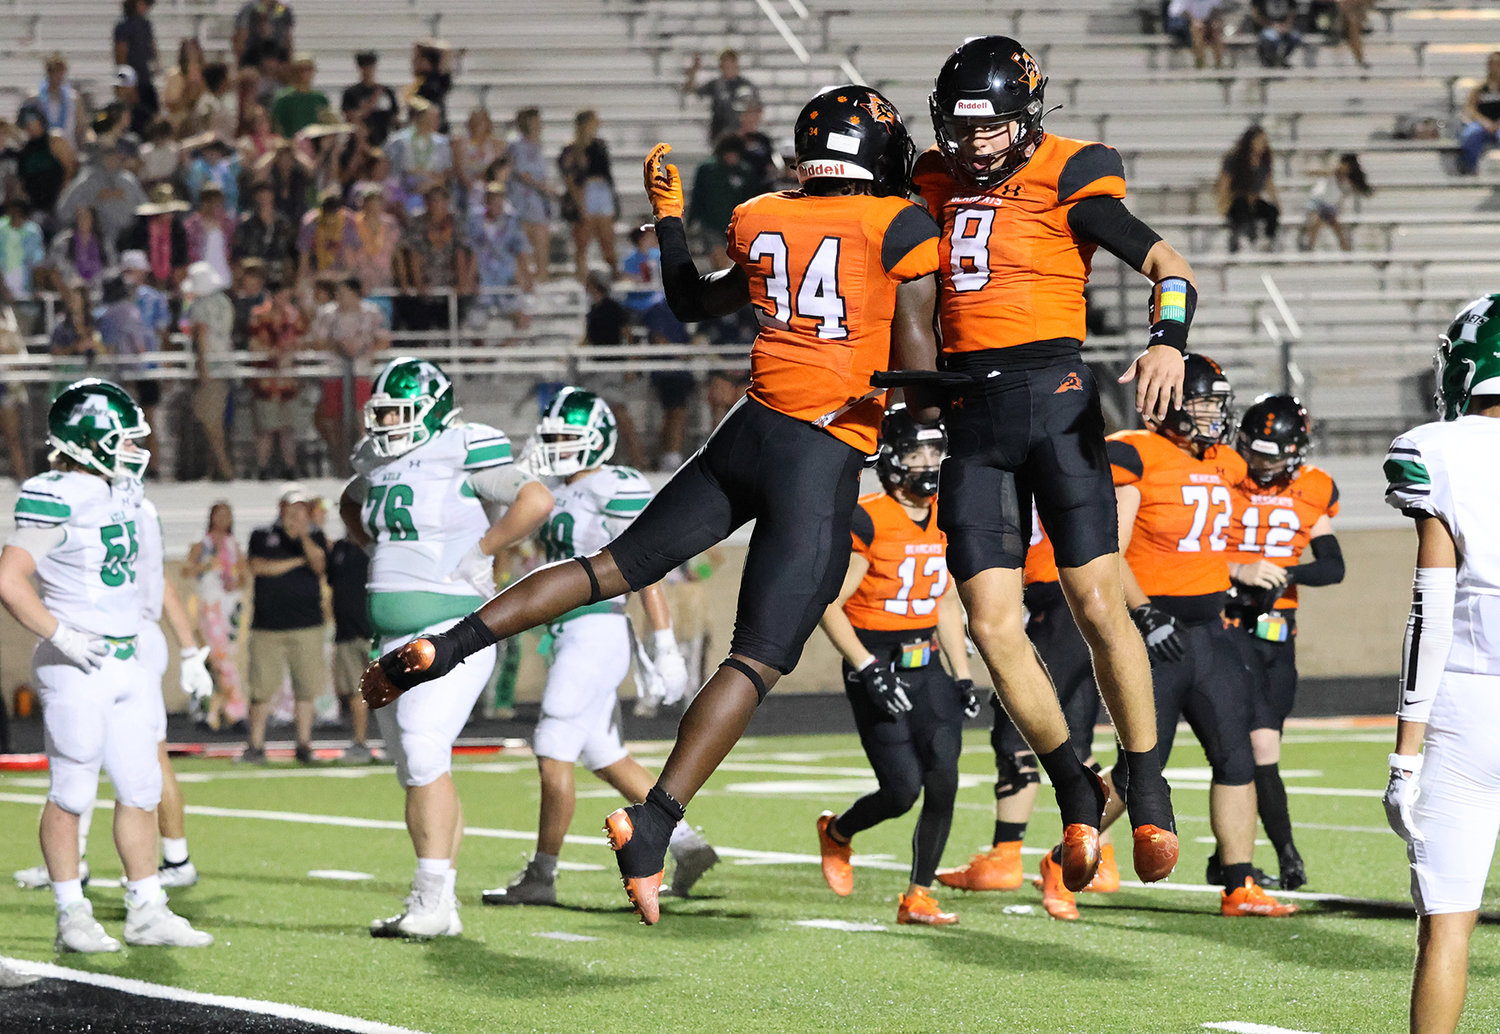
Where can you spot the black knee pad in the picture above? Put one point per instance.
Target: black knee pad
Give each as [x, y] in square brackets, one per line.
[594, 594]
[1018, 772]
[1232, 767]
[750, 673]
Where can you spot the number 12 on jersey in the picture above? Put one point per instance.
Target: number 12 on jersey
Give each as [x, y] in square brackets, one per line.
[817, 295]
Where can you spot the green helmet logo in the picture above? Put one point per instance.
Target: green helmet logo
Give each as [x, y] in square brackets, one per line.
[95, 424]
[411, 401]
[577, 432]
[1468, 357]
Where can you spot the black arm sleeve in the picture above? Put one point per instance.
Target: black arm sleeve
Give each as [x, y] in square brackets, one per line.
[1125, 456]
[693, 296]
[862, 526]
[1327, 567]
[1106, 221]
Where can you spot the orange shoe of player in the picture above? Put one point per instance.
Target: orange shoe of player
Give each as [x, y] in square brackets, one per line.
[837, 870]
[920, 908]
[1252, 900]
[1056, 898]
[1107, 878]
[1080, 855]
[644, 891]
[1155, 853]
[999, 868]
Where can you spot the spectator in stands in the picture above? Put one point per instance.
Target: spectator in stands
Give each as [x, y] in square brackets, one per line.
[298, 106]
[348, 570]
[74, 342]
[1482, 109]
[159, 232]
[60, 101]
[125, 335]
[377, 234]
[210, 231]
[721, 183]
[216, 564]
[1276, 21]
[214, 111]
[208, 318]
[81, 254]
[185, 85]
[608, 323]
[256, 139]
[161, 155]
[264, 233]
[672, 388]
[421, 156]
[327, 240]
[723, 91]
[290, 174]
[353, 329]
[369, 101]
[432, 78]
[262, 22]
[760, 152]
[44, 159]
[273, 73]
[473, 154]
[1327, 198]
[154, 306]
[502, 257]
[529, 192]
[324, 141]
[1246, 189]
[643, 269]
[1205, 28]
[276, 329]
[214, 160]
[247, 293]
[21, 249]
[1352, 16]
[109, 188]
[287, 561]
[435, 258]
[590, 204]
[725, 387]
[137, 114]
[135, 48]
[12, 398]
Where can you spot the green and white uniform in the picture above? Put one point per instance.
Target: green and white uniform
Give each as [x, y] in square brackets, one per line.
[151, 574]
[591, 652]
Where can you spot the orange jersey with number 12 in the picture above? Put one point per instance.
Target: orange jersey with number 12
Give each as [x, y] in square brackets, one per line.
[908, 567]
[1276, 524]
[823, 276]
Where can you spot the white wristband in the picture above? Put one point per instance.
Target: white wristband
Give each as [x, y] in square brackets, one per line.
[867, 662]
[1405, 763]
[664, 640]
[186, 652]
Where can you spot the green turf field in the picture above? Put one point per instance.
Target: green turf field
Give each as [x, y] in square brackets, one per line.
[735, 958]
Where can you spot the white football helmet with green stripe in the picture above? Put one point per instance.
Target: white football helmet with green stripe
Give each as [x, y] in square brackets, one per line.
[1468, 357]
[577, 432]
[96, 424]
[411, 400]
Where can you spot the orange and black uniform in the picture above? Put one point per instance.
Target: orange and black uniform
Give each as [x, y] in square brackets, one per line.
[1014, 261]
[823, 274]
[1177, 553]
[1274, 523]
[894, 613]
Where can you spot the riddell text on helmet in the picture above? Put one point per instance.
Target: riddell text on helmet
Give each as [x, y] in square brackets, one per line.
[973, 107]
[814, 169]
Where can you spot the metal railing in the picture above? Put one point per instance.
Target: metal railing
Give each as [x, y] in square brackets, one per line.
[1284, 335]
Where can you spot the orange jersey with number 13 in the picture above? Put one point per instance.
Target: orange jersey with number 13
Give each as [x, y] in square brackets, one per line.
[908, 571]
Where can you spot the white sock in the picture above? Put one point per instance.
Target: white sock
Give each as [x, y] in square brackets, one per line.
[142, 892]
[679, 831]
[174, 850]
[450, 880]
[65, 892]
[434, 866]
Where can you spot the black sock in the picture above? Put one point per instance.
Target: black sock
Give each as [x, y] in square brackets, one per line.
[1078, 795]
[1148, 798]
[1007, 832]
[665, 803]
[1270, 797]
[1236, 875]
[652, 822]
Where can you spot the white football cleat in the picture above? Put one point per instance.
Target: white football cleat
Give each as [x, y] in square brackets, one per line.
[183, 874]
[36, 877]
[155, 925]
[430, 912]
[692, 856]
[78, 931]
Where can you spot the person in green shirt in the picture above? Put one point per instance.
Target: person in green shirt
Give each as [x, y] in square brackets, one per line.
[298, 106]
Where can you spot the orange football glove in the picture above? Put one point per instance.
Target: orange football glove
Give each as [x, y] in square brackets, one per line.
[663, 183]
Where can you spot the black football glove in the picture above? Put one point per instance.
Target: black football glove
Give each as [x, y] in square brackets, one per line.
[970, 697]
[885, 688]
[1164, 643]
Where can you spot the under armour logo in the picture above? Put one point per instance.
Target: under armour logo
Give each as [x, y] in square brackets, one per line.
[1009, 190]
[1156, 334]
[1072, 382]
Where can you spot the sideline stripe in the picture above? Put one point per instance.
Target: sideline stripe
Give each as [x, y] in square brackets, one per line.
[1239, 1027]
[177, 994]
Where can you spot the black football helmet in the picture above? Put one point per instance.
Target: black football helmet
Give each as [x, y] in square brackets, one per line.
[852, 132]
[1274, 431]
[899, 436]
[1203, 380]
[988, 80]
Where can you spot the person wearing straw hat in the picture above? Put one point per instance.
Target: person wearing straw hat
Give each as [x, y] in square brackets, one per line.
[159, 232]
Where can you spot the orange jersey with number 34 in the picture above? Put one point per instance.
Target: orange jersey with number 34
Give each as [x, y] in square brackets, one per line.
[1276, 524]
[823, 276]
[908, 567]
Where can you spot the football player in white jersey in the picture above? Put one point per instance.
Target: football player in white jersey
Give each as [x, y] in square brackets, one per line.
[433, 499]
[593, 501]
[1445, 801]
[77, 532]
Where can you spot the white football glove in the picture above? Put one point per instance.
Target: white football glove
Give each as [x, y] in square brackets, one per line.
[192, 673]
[84, 649]
[1400, 793]
[477, 570]
[670, 666]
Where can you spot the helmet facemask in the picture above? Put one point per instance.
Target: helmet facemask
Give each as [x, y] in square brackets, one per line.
[397, 426]
[562, 449]
[957, 137]
[916, 472]
[1203, 419]
[1270, 464]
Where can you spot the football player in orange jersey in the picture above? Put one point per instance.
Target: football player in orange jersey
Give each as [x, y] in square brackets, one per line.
[1173, 489]
[1022, 213]
[841, 276]
[892, 616]
[1282, 507]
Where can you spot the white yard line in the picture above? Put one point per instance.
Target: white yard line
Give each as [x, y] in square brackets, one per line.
[1240, 1027]
[177, 994]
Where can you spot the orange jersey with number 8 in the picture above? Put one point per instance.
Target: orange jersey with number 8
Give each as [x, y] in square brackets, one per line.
[1276, 524]
[823, 276]
[908, 567]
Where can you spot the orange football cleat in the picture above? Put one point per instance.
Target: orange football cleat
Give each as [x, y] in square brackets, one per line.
[1056, 898]
[643, 891]
[1107, 878]
[1252, 900]
[837, 870]
[999, 868]
[1080, 855]
[920, 908]
[375, 684]
[1155, 852]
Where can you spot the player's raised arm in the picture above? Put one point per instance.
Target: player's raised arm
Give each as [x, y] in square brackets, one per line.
[692, 296]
